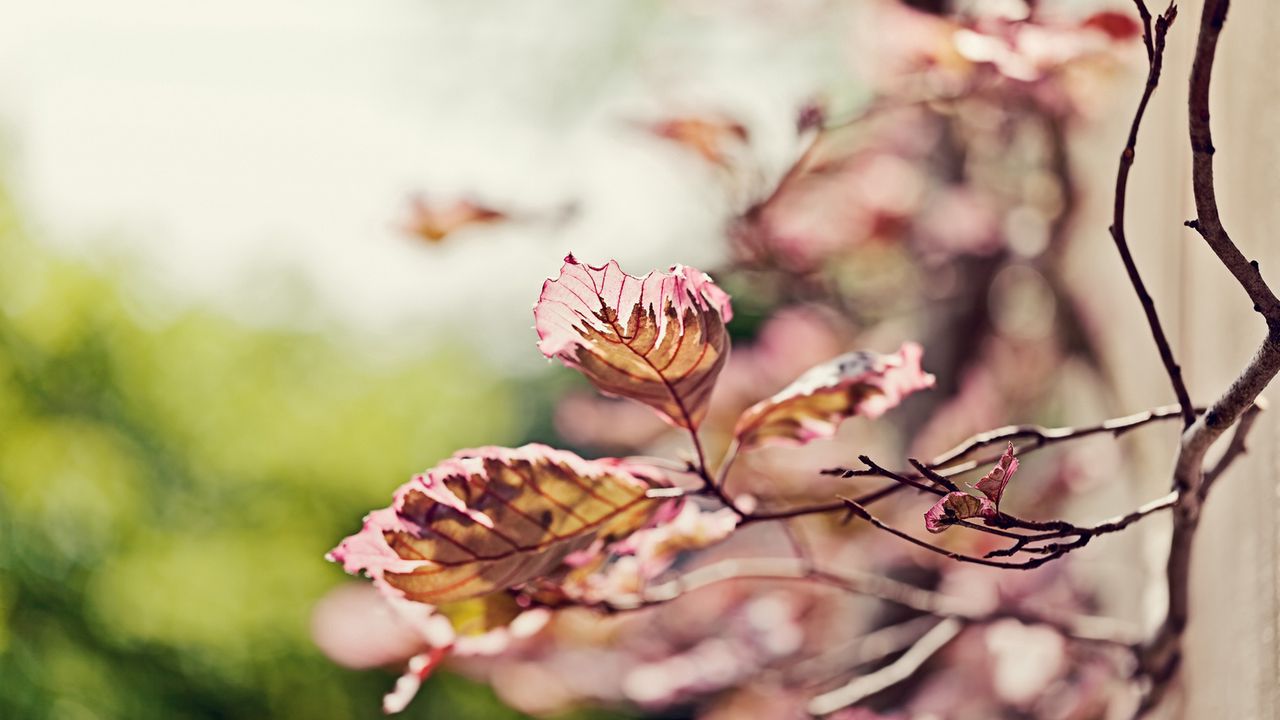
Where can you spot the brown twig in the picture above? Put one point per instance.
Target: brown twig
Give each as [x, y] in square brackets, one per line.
[1208, 222]
[860, 511]
[1041, 436]
[1154, 41]
[1235, 448]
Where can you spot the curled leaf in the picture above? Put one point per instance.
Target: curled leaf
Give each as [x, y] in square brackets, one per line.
[659, 339]
[993, 483]
[812, 407]
[956, 506]
[494, 518]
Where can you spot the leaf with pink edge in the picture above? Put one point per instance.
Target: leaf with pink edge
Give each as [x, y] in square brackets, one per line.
[495, 518]
[812, 407]
[658, 339]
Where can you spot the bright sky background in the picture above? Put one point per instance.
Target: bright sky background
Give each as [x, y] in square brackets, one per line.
[255, 152]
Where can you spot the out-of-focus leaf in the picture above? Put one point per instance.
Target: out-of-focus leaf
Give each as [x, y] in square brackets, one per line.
[659, 339]
[494, 518]
[643, 556]
[710, 137]
[492, 641]
[1117, 25]
[420, 668]
[433, 222]
[993, 483]
[956, 506]
[812, 407]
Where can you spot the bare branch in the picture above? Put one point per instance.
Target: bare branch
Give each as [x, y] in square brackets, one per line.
[895, 672]
[1235, 448]
[1041, 436]
[1207, 222]
[1154, 41]
[1035, 562]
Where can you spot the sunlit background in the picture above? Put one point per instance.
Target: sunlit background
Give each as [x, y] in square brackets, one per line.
[219, 346]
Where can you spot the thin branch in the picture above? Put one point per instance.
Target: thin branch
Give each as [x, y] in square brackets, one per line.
[946, 485]
[1072, 536]
[928, 472]
[895, 672]
[709, 484]
[1042, 436]
[1155, 57]
[1032, 563]
[1235, 448]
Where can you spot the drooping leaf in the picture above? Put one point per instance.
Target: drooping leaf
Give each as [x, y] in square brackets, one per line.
[956, 506]
[993, 483]
[494, 518]
[433, 222]
[812, 407]
[658, 339]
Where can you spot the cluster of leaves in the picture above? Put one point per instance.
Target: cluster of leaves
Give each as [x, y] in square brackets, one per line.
[505, 531]
[939, 209]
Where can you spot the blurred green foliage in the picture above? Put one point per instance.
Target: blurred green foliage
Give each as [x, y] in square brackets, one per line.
[167, 493]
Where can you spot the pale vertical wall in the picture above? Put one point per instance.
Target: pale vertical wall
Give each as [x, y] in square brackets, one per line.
[1231, 670]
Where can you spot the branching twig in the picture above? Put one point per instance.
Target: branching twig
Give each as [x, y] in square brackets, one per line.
[1154, 41]
[1072, 537]
[1235, 448]
[1032, 563]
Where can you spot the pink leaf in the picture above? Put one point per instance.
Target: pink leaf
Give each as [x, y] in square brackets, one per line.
[993, 483]
[812, 407]
[956, 506]
[693, 528]
[494, 518]
[658, 339]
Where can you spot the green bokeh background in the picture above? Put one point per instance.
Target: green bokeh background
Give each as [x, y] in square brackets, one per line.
[168, 490]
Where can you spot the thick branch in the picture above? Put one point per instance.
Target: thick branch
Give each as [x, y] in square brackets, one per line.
[1161, 657]
[1207, 222]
